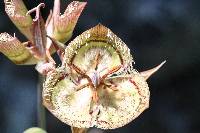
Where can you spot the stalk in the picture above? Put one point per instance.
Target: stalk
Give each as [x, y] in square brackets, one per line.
[41, 114]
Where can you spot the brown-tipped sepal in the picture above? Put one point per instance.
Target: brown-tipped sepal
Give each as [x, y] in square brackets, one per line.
[15, 50]
[64, 24]
[16, 11]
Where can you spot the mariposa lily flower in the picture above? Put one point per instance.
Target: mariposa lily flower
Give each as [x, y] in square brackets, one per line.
[97, 84]
[38, 48]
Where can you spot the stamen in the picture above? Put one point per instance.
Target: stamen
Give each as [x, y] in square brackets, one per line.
[82, 86]
[113, 88]
[37, 10]
[77, 69]
[95, 97]
[96, 61]
[113, 70]
[83, 73]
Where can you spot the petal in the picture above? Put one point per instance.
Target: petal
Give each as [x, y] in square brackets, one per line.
[64, 24]
[114, 108]
[98, 40]
[15, 50]
[16, 11]
[61, 98]
[119, 107]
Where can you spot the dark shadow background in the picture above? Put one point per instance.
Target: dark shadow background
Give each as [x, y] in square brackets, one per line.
[154, 30]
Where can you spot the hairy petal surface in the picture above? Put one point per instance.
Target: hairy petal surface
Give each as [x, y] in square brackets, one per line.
[99, 39]
[114, 109]
[118, 108]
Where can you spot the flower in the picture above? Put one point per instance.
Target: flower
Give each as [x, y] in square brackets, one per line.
[96, 84]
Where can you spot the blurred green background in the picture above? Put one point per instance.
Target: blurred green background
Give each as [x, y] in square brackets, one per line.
[154, 30]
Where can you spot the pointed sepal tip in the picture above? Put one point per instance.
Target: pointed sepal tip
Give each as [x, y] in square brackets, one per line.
[146, 74]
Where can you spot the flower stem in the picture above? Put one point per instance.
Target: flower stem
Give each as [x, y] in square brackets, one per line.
[41, 115]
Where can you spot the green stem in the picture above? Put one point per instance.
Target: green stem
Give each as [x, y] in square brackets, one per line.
[41, 115]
